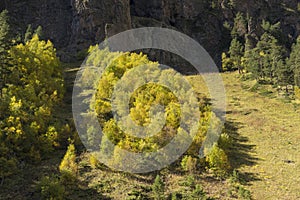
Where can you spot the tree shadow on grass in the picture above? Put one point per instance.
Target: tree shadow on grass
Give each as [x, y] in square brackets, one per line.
[240, 151]
[25, 184]
[82, 191]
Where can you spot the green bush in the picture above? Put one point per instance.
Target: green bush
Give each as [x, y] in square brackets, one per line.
[225, 142]
[218, 161]
[68, 166]
[175, 196]
[94, 162]
[158, 188]
[136, 194]
[51, 188]
[235, 177]
[34, 89]
[8, 167]
[244, 193]
[198, 193]
[189, 164]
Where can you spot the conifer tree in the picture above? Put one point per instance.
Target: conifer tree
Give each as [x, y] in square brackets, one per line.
[266, 60]
[4, 46]
[236, 53]
[247, 53]
[294, 62]
[274, 30]
[28, 33]
[68, 166]
[252, 61]
[239, 28]
[35, 87]
[39, 32]
[158, 188]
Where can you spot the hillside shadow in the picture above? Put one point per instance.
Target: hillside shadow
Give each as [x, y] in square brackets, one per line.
[240, 151]
[82, 190]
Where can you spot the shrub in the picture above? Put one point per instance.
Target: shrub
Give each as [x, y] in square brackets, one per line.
[94, 162]
[51, 188]
[198, 193]
[8, 167]
[225, 141]
[227, 63]
[244, 193]
[218, 160]
[175, 196]
[235, 177]
[34, 90]
[189, 164]
[68, 166]
[135, 194]
[189, 182]
[158, 188]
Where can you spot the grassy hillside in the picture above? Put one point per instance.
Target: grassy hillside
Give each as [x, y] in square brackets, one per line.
[270, 126]
[265, 132]
[264, 129]
[267, 128]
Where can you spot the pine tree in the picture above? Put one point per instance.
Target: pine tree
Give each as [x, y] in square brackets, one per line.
[28, 34]
[158, 188]
[4, 31]
[266, 59]
[4, 46]
[227, 64]
[294, 62]
[236, 53]
[283, 75]
[34, 88]
[68, 166]
[239, 28]
[247, 53]
[253, 62]
[274, 30]
[39, 32]
[279, 72]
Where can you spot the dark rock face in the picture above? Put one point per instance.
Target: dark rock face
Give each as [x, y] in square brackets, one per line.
[55, 16]
[73, 25]
[92, 20]
[192, 17]
[203, 20]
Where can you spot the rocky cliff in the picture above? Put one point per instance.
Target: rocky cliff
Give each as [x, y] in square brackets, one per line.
[73, 25]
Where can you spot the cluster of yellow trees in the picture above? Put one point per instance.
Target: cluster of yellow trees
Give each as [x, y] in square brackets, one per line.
[33, 89]
[140, 104]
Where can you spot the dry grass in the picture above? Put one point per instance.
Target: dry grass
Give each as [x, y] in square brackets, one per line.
[271, 131]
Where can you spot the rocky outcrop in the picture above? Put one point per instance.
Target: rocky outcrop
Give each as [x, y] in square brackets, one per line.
[73, 25]
[194, 18]
[203, 20]
[93, 20]
[55, 16]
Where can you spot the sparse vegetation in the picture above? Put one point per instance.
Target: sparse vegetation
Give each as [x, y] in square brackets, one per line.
[51, 188]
